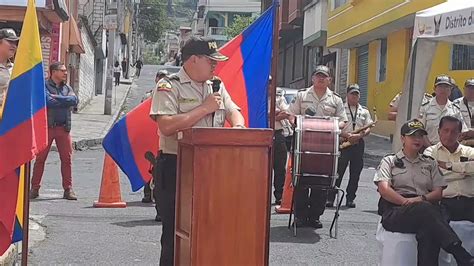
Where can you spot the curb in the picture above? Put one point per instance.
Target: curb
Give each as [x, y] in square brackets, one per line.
[83, 144]
[9, 257]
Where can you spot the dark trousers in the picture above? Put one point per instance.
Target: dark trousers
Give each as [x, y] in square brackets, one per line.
[309, 204]
[352, 156]
[117, 78]
[165, 190]
[147, 190]
[425, 220]
[137, 72]
[459, 208]
[279, 163]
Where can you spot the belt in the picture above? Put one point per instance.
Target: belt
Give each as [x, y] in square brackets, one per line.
[279, 131]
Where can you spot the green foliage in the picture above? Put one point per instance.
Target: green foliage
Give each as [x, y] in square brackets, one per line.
[153, 19]
[239, 25]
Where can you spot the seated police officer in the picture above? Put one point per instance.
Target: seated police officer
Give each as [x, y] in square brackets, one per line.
[410, 187]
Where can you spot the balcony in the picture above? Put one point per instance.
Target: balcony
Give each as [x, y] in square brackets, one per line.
[217, 33]
[295, 12]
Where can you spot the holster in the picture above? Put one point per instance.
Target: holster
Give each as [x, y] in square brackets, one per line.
[157, 170]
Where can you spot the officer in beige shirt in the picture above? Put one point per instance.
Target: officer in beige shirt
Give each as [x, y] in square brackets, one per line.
[359, 117]
[283, 129]
[182, 101]
[432, 112]
[466, 104]
[410, 186]
[317, 100]
[8, 45]
[457, 163]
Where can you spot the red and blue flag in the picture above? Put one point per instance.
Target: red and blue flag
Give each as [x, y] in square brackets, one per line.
[128, 141]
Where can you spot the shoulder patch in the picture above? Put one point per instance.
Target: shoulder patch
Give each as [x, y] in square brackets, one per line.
[164, 85]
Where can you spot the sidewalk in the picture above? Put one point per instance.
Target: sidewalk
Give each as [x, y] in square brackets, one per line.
[90, 125]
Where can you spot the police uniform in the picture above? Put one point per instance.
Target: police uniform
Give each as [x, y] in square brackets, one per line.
[359, 117]
[458, 197]
[330, 104]
[431, 113]
[413, 178]
[467, 109]
[5, 73]
[280, 152]
[174, 95]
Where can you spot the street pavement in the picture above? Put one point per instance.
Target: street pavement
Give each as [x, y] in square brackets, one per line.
[73, 232]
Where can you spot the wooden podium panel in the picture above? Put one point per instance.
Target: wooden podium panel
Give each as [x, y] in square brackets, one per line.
[223, 196]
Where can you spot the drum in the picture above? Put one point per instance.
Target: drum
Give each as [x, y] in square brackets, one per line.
[316, 151]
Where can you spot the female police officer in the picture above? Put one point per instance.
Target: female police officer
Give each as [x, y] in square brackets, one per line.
[410, 186]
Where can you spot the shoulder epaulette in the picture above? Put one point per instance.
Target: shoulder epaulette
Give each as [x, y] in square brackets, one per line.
[335, 93]
[303, 89]
[389, 154]
[425, 103]
[173, 76]
[364, 107]
[428, 95]
[456, 105]
[427, 157]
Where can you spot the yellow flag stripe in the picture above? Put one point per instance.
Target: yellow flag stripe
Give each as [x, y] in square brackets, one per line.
[21, 193]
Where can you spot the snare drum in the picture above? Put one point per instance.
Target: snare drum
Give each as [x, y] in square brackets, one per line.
[316, 150]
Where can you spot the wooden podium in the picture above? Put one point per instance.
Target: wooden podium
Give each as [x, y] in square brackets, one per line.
[223, 196]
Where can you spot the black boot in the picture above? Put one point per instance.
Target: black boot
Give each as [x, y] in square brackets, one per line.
[463, 258]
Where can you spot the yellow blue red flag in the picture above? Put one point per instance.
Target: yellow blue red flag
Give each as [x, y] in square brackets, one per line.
[23, 123]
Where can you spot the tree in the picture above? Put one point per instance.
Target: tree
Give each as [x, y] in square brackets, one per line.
[153, 19]
[239, 25]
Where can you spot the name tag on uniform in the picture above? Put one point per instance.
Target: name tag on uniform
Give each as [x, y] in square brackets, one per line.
[187, 100]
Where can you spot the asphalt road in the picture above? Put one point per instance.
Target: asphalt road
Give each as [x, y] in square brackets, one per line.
[73, 232]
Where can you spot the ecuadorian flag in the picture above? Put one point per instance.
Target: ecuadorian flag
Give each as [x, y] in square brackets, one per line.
[23, 126]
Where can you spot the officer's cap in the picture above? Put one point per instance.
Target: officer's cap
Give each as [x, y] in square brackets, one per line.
[353, 88]
[443, 79]
[412, 126]
[469, 82]
[323, 70]
[202, 46]
[8, 34]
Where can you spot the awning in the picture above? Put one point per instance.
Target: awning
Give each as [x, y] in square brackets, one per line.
[75, 39]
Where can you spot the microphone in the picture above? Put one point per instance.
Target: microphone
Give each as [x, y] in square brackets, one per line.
[216, 86]
[311, 111]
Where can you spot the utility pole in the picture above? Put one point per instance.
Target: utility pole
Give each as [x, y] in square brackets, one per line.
[110, 23]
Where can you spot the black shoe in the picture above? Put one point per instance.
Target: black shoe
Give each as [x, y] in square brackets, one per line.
[330, 204]
[316, 224]
[278, 202]
[350, 204]
[158, 218]
[147, 199]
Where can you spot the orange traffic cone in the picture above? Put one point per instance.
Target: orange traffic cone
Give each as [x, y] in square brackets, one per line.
[287, 191]
[110, 195]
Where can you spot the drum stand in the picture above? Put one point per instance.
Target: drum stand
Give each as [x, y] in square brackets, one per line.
[334, 223]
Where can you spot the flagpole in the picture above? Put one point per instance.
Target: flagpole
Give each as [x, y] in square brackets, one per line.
[26, 215]
[275, 54]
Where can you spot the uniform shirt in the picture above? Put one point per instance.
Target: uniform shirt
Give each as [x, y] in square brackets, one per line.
[467, 109]
[283, 124]
[179, 94]
[361, 115]
[417, 177]
[431, 113]
[329, 105]
[5, 73]
[461, 178]
[394, 103]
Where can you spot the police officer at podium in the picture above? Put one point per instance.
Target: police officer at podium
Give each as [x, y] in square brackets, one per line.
[182, 100]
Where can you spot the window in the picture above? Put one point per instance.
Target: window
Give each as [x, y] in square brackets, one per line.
[337, 3]
[462, 57]
[382, 73]
[299, 60]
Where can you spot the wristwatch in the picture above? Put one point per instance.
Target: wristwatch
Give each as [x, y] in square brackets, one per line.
[423, 197]
[449, 166]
